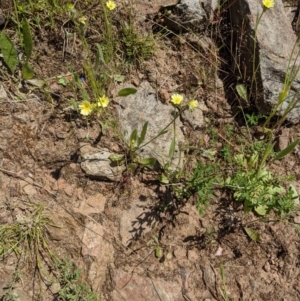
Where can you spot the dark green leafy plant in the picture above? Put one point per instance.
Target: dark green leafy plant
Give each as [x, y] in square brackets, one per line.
[72, 289]
[203, 181]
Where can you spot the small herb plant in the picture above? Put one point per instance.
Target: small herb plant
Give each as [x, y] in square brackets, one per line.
[258, 189]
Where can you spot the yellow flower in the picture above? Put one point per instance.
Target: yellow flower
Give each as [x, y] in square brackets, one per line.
[111, 5]
[70, 7]
[82, 20]
[268, 3]
[176, 99]
[193, 104]
[85, 108]
[103, 101]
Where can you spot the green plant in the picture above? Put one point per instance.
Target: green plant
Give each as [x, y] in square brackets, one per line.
[203, 181]
[71, 288]
[253, 119]
[8, 290]
[223, 290]
[135, 47]
[27, 237]
[258, 189]
[10, 55]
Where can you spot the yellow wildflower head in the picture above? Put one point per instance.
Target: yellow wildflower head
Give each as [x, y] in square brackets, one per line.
[111, 5]
[176, 99]
[268, 3]
[193, 104]
[103, 101]
[85, 107]
[70, 7]
[82, 20]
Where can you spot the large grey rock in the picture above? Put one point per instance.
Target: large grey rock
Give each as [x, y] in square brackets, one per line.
[275, 41]
[190, 15]
[135, 110]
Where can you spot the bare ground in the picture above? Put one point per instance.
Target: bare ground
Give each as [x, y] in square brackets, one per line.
[109, 230]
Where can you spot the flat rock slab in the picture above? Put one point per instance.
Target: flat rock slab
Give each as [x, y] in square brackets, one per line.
[135, 288]
[96, 163]
[135, 222]
[135, 110]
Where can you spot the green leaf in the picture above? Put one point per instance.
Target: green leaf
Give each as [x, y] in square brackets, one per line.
[283, 94]
[36, 82]
[99, 56]
[295, 194]
[133, 138]
[104, 127]
[172, 148]
[261, 210]
[252, 234]
[27, 71]
[148, 162]
[287, 150]
[158, 252]
[266, 155]
[116, 158]
[127, 91]
[163, 179]
[119, 78]
[143, 134]
[161, 133]
[9, 52]
[132, 167]
[242, 91]
[27, 40]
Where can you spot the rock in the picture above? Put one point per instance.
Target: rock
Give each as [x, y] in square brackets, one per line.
[195, 118]
[194, 10]
[69, 190]
[28, 188]
[91, 240]
[96, 245]
[60, 184]
[128, 287]
[208, 275]
[96, 163]
[283, 139]
[267, 267]
[2, 21]
[180, 253]
[135, 110]
[164, 95]
[273, 49]
[94, 204]
[22, 117]
[153, 6]
[3, 94]
[135, 222]
[297, 219]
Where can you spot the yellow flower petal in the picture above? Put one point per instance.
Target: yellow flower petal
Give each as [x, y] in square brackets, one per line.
[103, 101]
[176, 99]
[70, 7]
[85, 108]
[193, 104]
[111, 5]
[82, 20]
[268, 3]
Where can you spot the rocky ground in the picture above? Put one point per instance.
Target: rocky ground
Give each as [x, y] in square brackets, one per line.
[128, 234]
